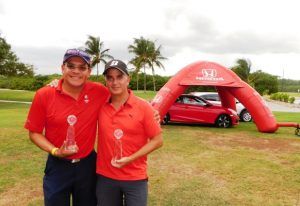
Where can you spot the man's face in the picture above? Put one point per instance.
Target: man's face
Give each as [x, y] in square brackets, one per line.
[75, 72]
[116, 81]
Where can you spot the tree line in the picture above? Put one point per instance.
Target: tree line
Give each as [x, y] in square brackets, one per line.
[147, 55]
[10, 64]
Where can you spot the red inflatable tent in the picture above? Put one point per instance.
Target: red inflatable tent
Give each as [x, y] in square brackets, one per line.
[228, 85]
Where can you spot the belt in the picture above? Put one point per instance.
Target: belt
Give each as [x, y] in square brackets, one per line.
[67, 160]
[72, 161]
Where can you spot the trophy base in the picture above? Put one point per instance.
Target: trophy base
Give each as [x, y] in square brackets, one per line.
[71, 148]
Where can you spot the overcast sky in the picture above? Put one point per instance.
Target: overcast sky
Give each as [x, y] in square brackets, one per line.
[266, 32]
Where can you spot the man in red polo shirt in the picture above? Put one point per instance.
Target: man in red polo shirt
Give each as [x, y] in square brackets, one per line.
[127, 133]
[68, 172]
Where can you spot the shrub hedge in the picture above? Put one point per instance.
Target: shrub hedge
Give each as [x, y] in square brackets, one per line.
[284, 97]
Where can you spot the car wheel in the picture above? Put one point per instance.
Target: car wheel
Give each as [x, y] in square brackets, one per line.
[223, 121]
[245, 116]
[166, 119]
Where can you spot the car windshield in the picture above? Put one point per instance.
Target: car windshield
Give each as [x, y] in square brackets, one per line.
[191, 100]
[212, 97]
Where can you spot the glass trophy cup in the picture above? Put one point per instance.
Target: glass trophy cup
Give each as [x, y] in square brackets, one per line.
[70, 139]
[118, 134]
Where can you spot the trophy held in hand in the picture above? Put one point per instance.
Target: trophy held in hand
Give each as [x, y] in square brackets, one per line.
[70, 139]
[118, 134]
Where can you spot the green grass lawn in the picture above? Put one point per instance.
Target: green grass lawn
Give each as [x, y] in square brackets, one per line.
[197, 165]
[16, 95]
[27, 96]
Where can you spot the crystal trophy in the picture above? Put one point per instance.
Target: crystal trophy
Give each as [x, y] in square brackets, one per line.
[70, 139]
[118, 133]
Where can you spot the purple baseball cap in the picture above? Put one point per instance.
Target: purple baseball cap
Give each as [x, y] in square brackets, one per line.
[77, 53]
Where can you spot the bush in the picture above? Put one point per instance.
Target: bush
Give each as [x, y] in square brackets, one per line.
[282, 97]
[266, 92]
[24, 83]
[285, 97]
[95, 79]
[160, 81]
[275, 96]
[292, 100]
[36, 82]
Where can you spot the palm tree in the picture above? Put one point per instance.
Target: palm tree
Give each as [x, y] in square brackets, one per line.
[243, 70]
[141, 49]
[94, 47]
[146, 54]
[137, 64]
[155, 60]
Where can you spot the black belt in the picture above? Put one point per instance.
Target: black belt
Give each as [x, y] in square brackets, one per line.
[71, 160]
[75, 160]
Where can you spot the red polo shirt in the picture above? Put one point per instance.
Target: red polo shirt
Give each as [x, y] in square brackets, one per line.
[136, 119]
[51, 107]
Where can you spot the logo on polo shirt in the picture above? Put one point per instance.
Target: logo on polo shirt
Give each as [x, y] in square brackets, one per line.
[86, 99]
[118, 133]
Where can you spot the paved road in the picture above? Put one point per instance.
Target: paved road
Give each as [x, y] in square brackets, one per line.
[15, 101]
[283, 107]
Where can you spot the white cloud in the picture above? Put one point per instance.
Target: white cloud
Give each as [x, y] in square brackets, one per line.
[263, 31]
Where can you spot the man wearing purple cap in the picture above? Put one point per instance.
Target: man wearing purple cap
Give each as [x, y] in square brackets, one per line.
[69, 110]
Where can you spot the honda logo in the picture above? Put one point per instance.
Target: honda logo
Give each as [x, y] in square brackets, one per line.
[209, 73]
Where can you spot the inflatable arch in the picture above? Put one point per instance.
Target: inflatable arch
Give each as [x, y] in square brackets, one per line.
[228, 85]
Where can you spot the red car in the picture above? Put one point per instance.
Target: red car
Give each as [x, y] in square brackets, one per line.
[192, 109]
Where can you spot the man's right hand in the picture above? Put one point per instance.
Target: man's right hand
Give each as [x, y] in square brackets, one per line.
[63, 152]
